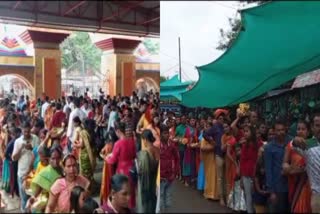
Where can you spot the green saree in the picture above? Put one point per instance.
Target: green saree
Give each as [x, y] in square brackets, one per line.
[86, 159]
[44, 179]
[147, 172]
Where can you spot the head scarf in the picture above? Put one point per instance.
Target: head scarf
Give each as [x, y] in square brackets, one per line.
[218, 112]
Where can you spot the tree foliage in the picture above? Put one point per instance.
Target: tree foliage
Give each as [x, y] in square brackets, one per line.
[227, 37]
[162, 78]
[80, 54]
[153, 46]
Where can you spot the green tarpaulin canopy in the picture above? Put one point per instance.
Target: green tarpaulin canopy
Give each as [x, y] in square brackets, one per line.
[172, 94]
[173, 88]
[279, 41]
[174, 82]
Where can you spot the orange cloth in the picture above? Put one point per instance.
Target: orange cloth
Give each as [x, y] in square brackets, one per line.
[106, 177]
[230, 141]
[218, 112]
[302, 204]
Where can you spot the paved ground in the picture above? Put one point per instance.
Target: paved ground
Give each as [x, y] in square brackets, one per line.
[12, 204]
[189, 200]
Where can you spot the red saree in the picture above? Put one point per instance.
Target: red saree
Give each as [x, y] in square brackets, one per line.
[299, 187]
[231, 172]
[106, 178]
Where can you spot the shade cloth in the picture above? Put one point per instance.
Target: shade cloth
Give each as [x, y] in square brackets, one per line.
[173, 88]
[174, 82]
[279, 40]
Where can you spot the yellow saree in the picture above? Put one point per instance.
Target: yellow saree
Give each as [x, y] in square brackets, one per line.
[211, 189]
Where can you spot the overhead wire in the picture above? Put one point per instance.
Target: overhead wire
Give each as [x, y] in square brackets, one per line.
[170, 69]
[226, 6]
[178, 59]
[184, 71]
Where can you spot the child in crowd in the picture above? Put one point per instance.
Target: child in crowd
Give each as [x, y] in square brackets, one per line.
[169, 167]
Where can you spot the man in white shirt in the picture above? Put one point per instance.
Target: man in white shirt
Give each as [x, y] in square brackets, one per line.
[76, 112]
[113, 117]
[85, 108]
[22, 152]
[69, 104]
[44, 107]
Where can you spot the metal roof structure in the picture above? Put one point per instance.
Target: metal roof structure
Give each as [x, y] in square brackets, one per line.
[132, 18]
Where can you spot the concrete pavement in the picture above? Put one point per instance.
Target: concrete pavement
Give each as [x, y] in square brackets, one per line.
[189, 200]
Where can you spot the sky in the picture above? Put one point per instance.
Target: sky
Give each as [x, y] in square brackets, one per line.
[198, 24]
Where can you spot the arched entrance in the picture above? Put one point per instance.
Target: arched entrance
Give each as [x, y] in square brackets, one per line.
[147, 84]
[19, 84]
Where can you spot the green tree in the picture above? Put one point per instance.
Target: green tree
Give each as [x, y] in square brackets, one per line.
[162, 78]
[227, 37]
[79, 53]
[153, 46]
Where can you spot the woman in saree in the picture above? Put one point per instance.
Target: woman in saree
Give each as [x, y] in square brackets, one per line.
[58, 136]
[4, 139]
[85, 143]
[183, 137]
[172, 128]
[9, 175]
[148, 161]
[118, 200]
[154, 127]
[48, 115]
[195, 152]
[101, 126]
[228, 142]
[123, 155]
[208, 157]
[201, 176]
[98, 117]
[43, 154]
[59, 196]
[42, 182]
[107, 171]
[293, 167]
[145, 120]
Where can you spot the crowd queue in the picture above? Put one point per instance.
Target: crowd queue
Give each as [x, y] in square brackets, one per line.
[50, 151]
[244, 163]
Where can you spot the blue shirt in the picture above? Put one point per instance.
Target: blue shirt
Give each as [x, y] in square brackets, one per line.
[273, 158]
[216, 132]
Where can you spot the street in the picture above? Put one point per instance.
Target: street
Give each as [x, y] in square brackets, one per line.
[189, 200]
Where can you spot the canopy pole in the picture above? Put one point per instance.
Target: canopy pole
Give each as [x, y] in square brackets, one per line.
[180, 77]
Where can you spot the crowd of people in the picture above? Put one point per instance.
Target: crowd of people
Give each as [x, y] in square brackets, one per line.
[50, 150]
[244, 163]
